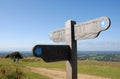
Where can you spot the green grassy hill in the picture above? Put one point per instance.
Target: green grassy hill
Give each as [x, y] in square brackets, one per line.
[15, 69]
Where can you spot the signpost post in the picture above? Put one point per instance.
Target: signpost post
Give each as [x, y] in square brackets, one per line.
[70, 34]
[71, 64]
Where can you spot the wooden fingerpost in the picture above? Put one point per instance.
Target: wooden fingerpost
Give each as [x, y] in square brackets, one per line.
[71, 64]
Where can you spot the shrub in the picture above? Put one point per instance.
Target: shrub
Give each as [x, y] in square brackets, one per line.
[14, 54]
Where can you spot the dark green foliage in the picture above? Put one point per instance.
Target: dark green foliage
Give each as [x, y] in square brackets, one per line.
[14, 54]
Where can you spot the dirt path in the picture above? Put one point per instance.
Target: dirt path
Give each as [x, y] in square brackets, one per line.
[54, 74]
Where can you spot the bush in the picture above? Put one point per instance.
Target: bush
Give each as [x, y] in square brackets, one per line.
[14, 54]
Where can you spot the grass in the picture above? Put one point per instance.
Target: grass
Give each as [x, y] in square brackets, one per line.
[105, 69]
[16, 70]
[35, 76]
[40, 63]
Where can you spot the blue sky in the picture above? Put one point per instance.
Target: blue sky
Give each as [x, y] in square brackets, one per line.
[25, 23]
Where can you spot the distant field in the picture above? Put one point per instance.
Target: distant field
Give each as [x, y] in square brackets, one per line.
[105, 69]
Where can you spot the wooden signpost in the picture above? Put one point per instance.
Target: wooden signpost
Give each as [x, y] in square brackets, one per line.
[70, 34]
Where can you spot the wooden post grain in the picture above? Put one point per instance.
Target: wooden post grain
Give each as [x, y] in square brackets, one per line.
[71, 64]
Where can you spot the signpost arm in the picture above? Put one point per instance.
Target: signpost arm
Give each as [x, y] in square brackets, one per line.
[71, 64]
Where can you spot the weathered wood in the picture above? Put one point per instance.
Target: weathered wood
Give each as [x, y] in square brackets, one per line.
[73, 32]
[71, 64]
[58, 35]
[91, 29]
[83, 30]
